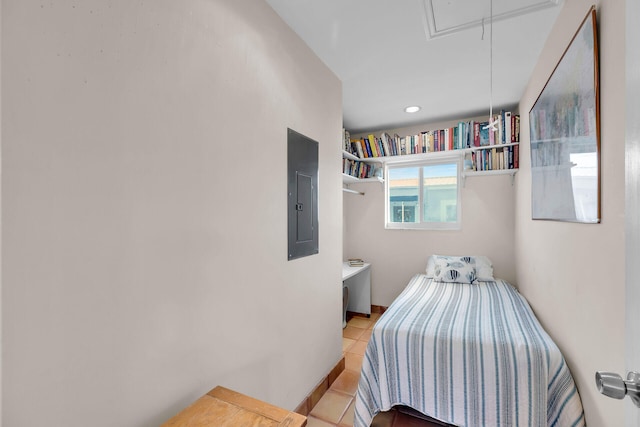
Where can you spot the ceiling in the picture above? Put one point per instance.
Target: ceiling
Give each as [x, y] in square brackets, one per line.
[390, 54]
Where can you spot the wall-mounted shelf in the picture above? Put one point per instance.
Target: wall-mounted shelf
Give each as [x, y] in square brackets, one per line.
[436, 154]
[420, 156]
[501, 157]
[348, 179]
[348, 155]
[406, 158]
[466, 174]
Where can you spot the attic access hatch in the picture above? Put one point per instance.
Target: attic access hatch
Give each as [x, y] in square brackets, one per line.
[443, 17]
[302, 190]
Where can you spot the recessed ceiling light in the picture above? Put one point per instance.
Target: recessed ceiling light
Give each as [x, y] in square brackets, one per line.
[412, 109]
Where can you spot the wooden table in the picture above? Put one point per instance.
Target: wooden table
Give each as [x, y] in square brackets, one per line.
[227, 408]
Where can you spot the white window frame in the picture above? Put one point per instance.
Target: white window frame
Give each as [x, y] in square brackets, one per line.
[442, 158]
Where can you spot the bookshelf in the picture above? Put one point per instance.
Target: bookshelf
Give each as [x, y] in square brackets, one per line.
[470, 174]
[483, 152]
[462, 152]
[353, 172]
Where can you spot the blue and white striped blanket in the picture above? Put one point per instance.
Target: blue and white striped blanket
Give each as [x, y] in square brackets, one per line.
[469, 355]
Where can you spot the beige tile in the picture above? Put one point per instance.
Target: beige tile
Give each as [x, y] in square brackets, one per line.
[352, 332]
[347, 418]
[360, 322]
[358, 347]
[366, 335]
[347, 343]
[331, 407]
[347, 382]
[353, 362]
[315, 422]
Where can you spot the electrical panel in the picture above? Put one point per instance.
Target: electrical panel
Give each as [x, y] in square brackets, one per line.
[302, 203]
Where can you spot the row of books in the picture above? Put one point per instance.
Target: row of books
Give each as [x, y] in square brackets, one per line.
[464, 135]
[358, 169]
[498, 158]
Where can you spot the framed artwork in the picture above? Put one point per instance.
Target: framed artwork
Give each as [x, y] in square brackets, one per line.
[564, 126]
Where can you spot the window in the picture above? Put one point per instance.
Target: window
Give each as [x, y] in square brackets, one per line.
[423, 195]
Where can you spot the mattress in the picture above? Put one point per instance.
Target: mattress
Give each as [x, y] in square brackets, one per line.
[468, 355]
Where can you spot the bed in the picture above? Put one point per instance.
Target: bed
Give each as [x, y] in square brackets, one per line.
[467, 352]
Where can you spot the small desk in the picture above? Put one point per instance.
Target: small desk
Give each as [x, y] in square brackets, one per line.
[358, 281]
[224, 407]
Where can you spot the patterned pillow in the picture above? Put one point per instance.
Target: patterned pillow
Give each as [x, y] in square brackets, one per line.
[455, 269]
[484, 267]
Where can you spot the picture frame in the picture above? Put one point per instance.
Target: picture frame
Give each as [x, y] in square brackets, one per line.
[564, 126]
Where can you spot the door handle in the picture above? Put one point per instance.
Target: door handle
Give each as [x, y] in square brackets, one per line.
[612, 385]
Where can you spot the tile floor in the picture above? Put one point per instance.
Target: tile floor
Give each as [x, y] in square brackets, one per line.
[336, 407]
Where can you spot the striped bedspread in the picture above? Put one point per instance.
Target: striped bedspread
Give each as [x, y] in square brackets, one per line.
[469, 355]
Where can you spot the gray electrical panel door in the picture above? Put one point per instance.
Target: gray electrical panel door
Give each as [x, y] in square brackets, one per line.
[302, 203]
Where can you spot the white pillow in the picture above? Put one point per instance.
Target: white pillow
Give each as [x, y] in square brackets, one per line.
[431, 266]
[484, 267]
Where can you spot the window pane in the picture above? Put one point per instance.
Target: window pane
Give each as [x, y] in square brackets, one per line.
[440, 197]
[403, 195]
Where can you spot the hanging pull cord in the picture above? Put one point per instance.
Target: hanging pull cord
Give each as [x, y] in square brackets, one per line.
[492, 123]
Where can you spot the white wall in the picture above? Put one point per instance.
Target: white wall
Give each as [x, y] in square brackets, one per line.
[573, 274]
[397, 255]
[144, 210]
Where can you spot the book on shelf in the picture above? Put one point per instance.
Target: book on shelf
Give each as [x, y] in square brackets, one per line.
[355, 262]
[476, 134]
[447, 131]
[357, 148]
[506, 135]
[484, 134]
[346, 141]
[386, 143]
[372, 144]
[367, 147]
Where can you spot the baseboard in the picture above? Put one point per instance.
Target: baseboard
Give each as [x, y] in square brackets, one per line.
[312, 399]
[378, 309]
